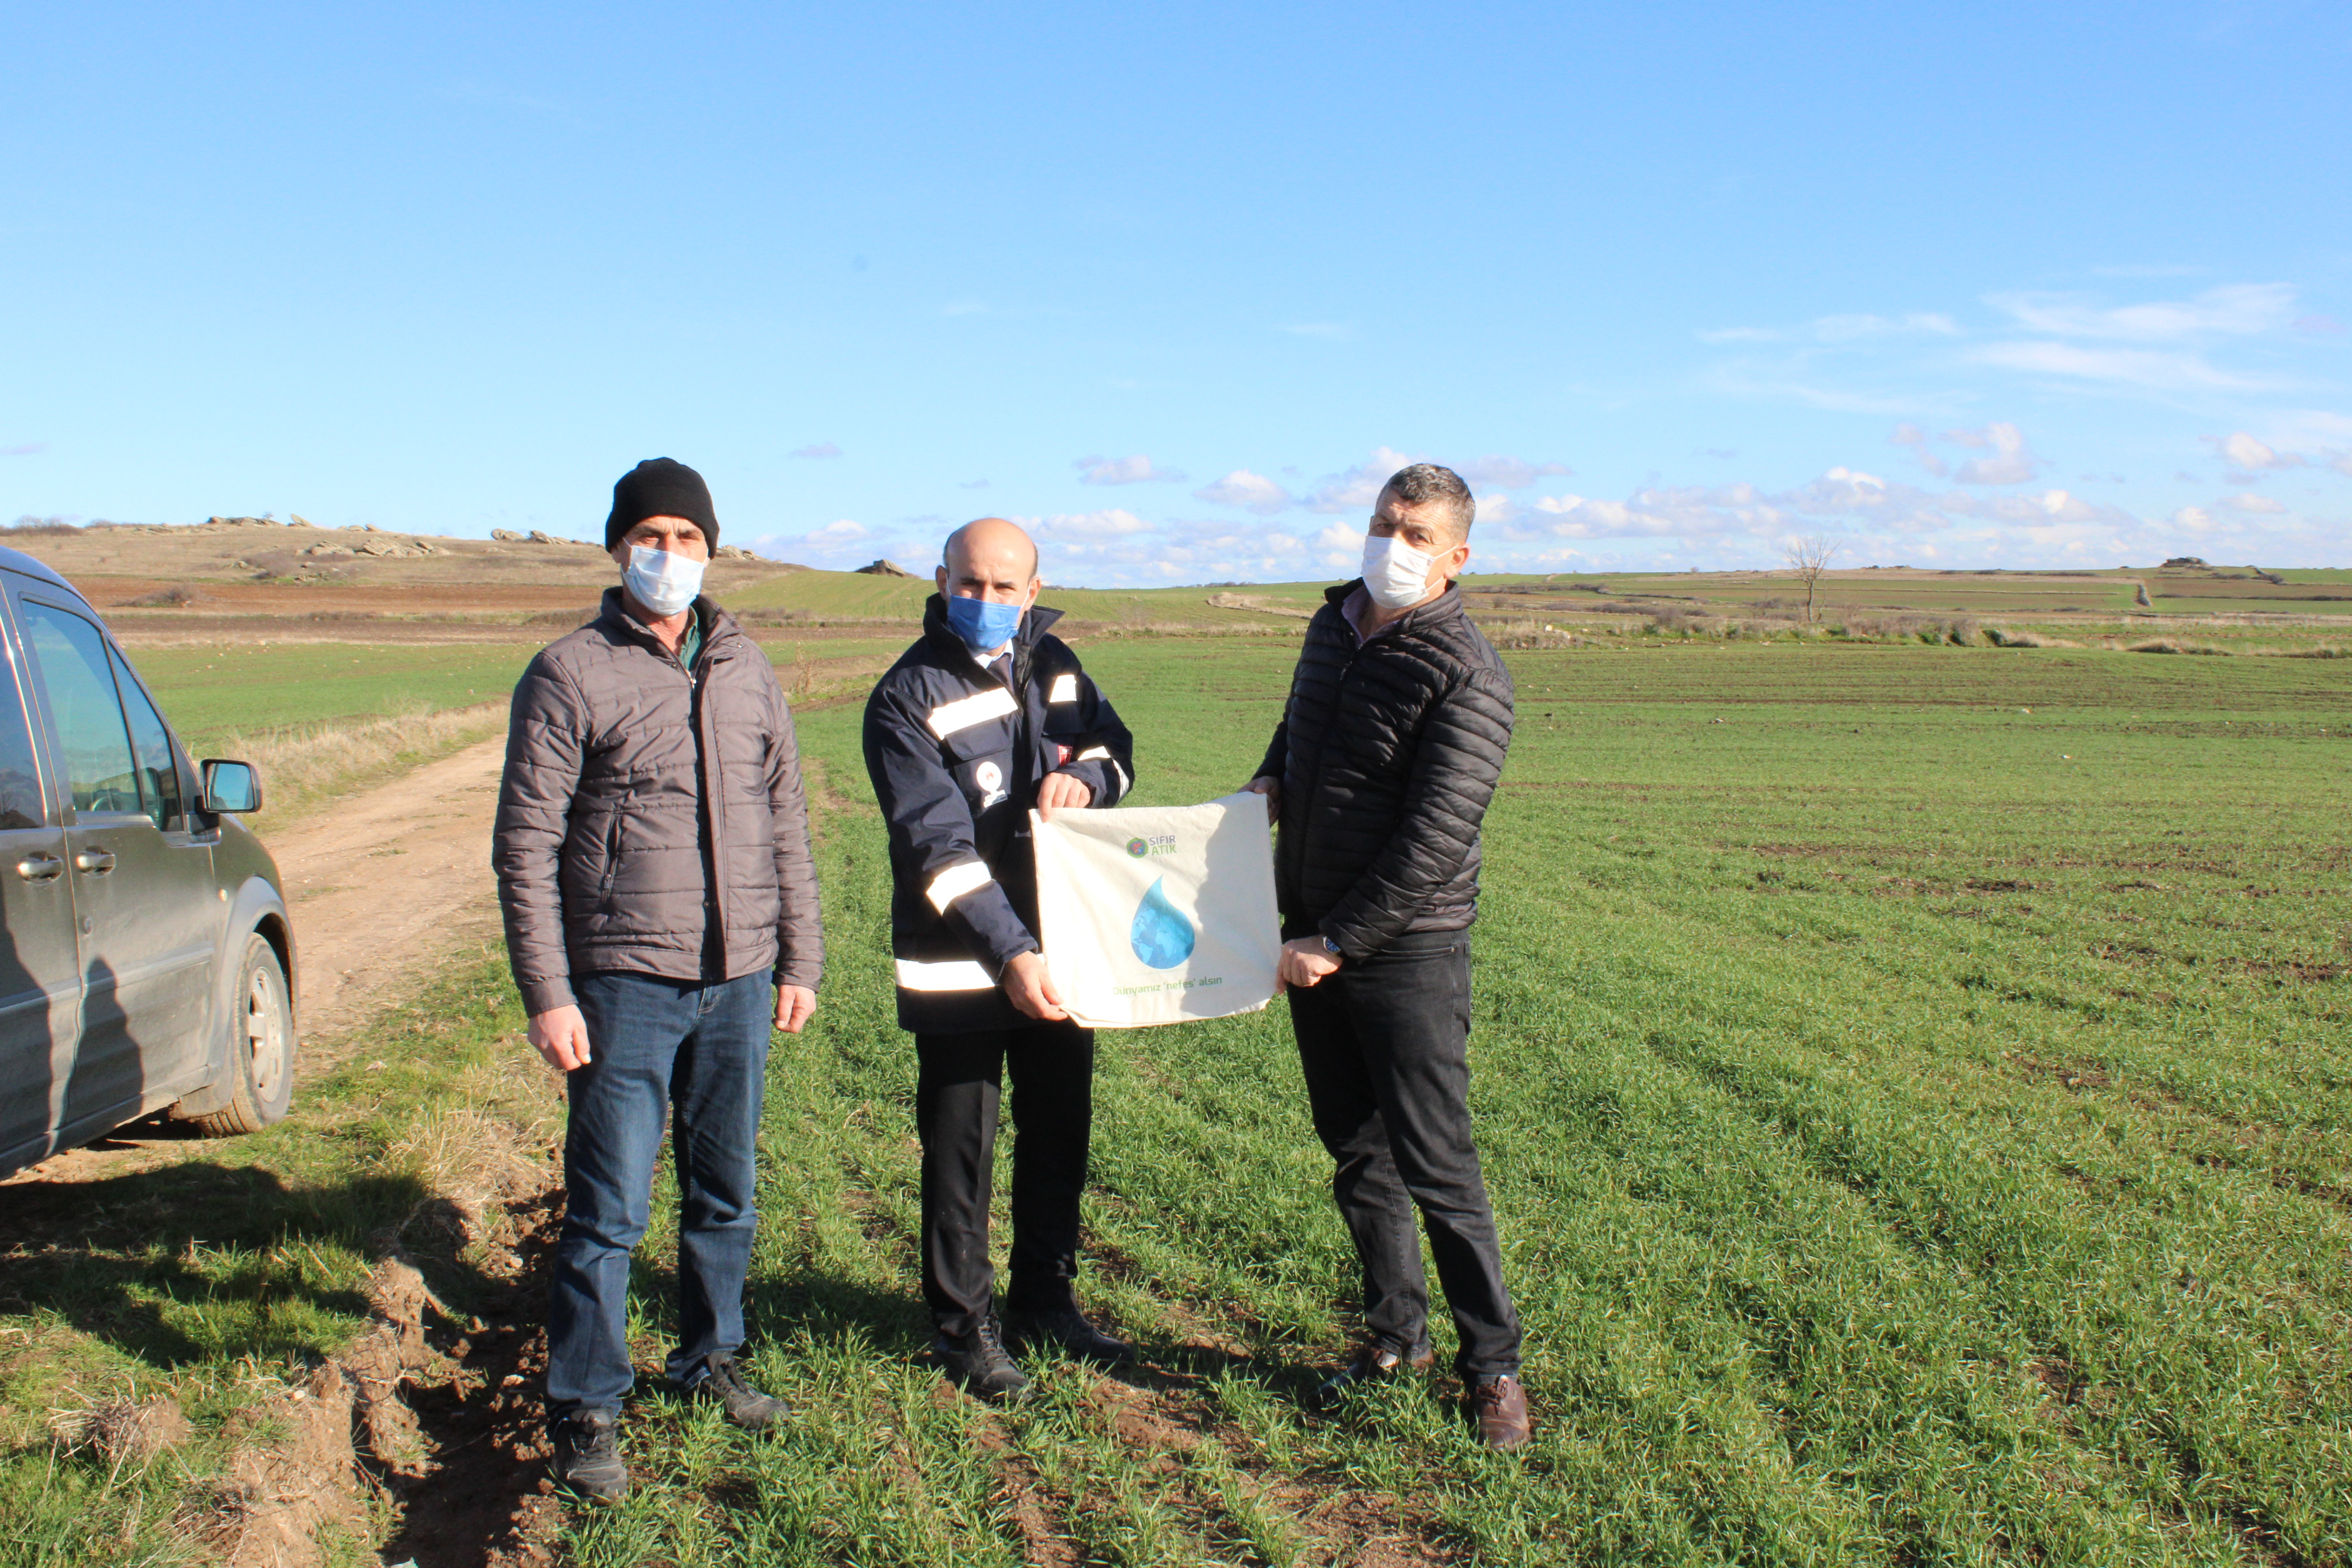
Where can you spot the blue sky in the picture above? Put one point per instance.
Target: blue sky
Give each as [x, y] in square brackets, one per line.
[1989, 286]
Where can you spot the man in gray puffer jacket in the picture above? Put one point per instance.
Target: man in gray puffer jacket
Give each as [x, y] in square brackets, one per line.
[661, 910]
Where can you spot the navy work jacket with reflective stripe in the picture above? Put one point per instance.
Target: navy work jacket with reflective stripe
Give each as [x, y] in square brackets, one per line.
[955, 754]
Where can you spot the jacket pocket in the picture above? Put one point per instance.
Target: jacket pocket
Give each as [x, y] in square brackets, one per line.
[612, 856]
[980, 759]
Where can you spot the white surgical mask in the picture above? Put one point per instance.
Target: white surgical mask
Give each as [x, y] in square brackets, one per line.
[1395, 575]
[664, 581]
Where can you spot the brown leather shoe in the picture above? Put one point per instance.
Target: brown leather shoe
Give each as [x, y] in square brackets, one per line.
[1500, 1405]
[1372, 1365]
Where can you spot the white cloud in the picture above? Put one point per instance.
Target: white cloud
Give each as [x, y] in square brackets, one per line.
[1494, 508]
[2067, 508]
[2255, 503]
[1250, 492]
[2154, 370]
[821, 449]
[1846, 328]
[1359, 487]
[1110, 523]
[1509, 473]
[2195, 519]
[1911, 436]
[2248, 453]
[1339, 536]
[1841, 328]
[2011, 463]
[1132, 470]
[2234, 310]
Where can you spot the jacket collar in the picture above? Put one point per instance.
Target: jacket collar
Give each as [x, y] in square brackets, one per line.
[717, 626]
[937, 631]
[1445, 607]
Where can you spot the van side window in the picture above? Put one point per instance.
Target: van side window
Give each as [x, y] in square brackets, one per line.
[71, 657]
[20, 777]
[159, 775]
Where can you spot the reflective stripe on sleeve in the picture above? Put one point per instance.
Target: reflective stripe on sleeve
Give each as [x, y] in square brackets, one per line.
[1066, 688]
[1102, 755]
[956, 881]
[954, 975]
[965, 711]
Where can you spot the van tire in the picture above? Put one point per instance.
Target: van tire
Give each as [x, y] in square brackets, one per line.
[258, 1083]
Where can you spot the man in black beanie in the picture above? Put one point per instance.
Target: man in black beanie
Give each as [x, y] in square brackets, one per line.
[661, 487]
[653, 858]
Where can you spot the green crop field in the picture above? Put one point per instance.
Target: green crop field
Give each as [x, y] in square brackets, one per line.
[245, 688]
[207, 691]
[851, 596]
[1913, 1085]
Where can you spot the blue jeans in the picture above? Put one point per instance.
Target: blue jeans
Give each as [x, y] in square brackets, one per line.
[700, 1052]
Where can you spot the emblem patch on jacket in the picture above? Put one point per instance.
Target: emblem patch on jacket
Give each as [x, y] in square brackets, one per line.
[991, 780]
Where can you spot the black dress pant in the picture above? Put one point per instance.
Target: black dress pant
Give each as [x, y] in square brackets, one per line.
[958, 1079]
[1385, 1045]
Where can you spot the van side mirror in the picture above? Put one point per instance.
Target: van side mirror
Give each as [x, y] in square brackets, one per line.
[231, 787]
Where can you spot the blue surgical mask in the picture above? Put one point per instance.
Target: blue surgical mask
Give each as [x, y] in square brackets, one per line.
[982, 624]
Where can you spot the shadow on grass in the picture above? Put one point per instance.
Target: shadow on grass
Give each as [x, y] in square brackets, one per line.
[197, 1261]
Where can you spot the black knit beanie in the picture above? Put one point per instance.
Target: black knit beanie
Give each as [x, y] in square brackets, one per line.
[659, 487]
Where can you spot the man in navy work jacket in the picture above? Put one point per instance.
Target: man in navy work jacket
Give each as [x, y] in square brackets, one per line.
[1380, 774]
[983, 718]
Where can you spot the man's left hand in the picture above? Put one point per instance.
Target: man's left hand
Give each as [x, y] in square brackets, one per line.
[1305, 962]
[1063, 791]
[793, 1005]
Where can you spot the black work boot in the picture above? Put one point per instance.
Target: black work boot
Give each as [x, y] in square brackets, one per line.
[1065, 1330]
[588, 1455]
[748, 1408]
[977, 1363]
[1372, 1363]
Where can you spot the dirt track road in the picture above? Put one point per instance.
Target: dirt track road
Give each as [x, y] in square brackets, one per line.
[380, 883]
[380, 880]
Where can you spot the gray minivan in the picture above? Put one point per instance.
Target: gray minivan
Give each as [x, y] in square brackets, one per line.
[148, 959]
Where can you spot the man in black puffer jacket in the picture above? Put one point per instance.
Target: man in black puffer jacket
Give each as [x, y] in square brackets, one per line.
[1388, 753]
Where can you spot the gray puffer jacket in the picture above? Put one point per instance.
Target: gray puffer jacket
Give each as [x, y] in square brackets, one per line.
[633, 787]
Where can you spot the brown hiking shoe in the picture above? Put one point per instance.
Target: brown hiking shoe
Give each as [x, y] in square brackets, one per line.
[1500, 1407]
[1371, 1364]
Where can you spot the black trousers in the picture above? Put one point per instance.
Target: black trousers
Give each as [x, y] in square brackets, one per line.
[958, 1082]
[1385, 1045]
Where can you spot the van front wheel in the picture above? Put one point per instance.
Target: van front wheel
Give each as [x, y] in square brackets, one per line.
[259, 1074]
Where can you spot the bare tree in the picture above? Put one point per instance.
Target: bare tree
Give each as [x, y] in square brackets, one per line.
[1809, 558]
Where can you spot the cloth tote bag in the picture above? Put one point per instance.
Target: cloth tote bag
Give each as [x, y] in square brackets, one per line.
[1157, 914]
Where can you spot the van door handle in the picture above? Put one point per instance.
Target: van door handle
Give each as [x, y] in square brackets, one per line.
[40, 868]
[97, 862]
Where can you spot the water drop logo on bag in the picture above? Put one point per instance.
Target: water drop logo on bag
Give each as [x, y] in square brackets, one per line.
[1161, 935]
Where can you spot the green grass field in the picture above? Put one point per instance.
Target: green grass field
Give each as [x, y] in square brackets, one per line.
[1913, 1084]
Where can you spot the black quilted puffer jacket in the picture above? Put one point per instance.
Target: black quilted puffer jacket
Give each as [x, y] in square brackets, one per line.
[1388, 753]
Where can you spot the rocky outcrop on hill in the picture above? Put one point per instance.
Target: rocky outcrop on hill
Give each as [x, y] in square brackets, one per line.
[538, 536]
[886, 569]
